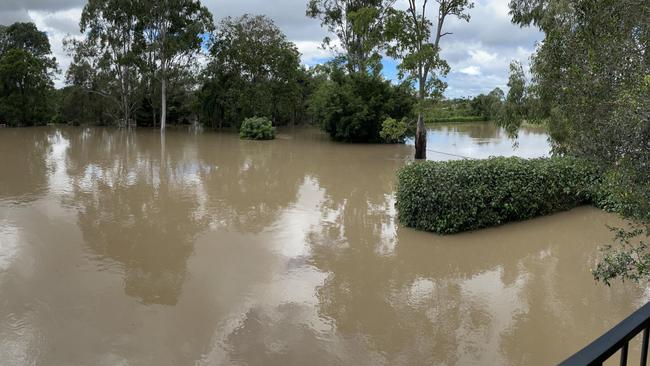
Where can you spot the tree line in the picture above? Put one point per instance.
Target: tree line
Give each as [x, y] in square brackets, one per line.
[150, 63]
[482, 107]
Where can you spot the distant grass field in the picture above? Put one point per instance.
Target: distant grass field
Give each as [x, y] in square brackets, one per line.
[431, 120]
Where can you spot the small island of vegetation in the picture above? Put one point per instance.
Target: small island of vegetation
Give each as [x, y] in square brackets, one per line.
[257, 128]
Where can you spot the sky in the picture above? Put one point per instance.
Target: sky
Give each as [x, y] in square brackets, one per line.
[478, 52]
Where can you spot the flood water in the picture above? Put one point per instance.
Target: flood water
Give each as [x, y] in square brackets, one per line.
[481, 140]
[121, 248]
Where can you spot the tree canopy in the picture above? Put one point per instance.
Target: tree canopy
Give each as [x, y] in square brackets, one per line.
[590, 82]
[353, 107]
[26, 68]
[359, 27]
[136, 52]
[253, 71]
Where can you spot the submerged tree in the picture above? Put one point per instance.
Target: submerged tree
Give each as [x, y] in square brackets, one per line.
[175, 31]
[353, 107]
[26, 68]
[92, 93]
[112, 45]
[131, 47]
[253, 71]
[417, 44]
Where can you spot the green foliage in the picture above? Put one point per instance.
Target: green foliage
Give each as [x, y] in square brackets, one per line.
[174, 29]
[109, 53]
[394, 131]
[419, 49]
[480, 108]
[257, 128]
[139, 57]
[517, 106]
[254, 71]
[89, 96]
[445, 109]
[597, 106]
[454, 196]
[25, 90]
[629, 261]
[578, 75]
[27, 37]
[173, 34]
[351, 108]
[488, 106]
[620, 191]
[359, 25]
[25, 76]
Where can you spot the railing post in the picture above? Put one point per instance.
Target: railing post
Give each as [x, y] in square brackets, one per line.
[644, 348]
[616, 339]
[624, 354]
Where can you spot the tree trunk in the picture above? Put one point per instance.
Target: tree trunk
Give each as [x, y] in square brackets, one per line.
[125, 97]
[163, 78]
[163, 102]
[421, 131]
[125, 108]
[420, 138]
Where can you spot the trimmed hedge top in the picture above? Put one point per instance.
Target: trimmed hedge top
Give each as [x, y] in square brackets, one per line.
[454, 196]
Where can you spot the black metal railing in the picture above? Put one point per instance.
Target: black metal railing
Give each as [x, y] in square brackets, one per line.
[616, 339]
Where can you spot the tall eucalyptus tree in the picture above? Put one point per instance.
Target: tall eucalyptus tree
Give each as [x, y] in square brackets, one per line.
[417, 44]
[113, 31]
[175, 31]
[358, 25]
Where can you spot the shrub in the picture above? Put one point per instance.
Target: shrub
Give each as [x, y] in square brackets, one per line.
[455, 196]
[257, 128]
[394, 131]
[621, 191]
[351, 108]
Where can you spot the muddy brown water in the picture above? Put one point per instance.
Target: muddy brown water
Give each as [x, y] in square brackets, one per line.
[121, 248]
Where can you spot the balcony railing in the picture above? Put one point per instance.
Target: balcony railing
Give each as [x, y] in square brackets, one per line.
[617, 338]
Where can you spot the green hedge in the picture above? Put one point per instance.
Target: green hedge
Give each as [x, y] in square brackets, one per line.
[257, 128]
[454, 196]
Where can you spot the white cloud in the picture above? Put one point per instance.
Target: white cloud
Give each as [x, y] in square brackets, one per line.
[471, 70]
[312, 52]
[482, 56]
